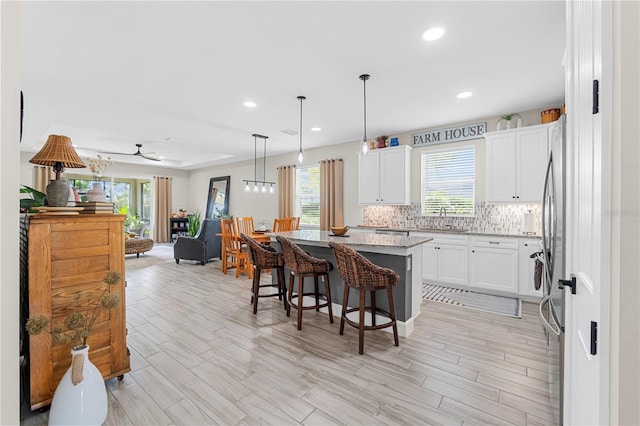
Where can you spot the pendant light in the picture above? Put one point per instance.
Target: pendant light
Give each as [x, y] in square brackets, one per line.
[259, 185]
[365, 142]
[300, 158]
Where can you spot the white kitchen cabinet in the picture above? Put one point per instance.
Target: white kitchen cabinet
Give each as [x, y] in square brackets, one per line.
[385, 176]
[526, 268]
[493, 264]
[516, 162]
[445, 259]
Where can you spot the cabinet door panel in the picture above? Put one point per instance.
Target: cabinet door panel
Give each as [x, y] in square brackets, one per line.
[429, 262]
[494, 269]
[369, 178]
[501, 167]
[453, 264]
[392, 176]
[531, 148]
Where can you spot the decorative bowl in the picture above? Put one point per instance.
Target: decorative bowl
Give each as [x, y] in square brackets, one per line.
[339, 230]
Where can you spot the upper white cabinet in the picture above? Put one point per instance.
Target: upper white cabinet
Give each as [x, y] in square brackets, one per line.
[516, 163]
[385, 176]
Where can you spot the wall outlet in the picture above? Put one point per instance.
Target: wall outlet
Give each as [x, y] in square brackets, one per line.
[495, 220]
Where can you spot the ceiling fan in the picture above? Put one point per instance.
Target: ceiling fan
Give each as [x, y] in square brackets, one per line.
[138, 153]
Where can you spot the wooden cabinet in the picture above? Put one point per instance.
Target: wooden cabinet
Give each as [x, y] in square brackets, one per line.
[385, 176]
[493, 264]
[177, 226]
[67, 255]
[526, 264]
[516, 162]
[445, 259]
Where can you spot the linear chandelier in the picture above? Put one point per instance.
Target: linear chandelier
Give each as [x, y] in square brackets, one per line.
[259, 185]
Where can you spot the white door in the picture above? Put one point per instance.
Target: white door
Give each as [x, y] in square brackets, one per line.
[501, 167]
[453, 264]
[588, 239]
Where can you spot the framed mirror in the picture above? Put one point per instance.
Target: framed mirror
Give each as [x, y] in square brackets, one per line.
[218, 199]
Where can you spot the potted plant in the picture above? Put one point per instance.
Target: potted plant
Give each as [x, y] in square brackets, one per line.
[81, 396]
[194, 223]
[36, 199]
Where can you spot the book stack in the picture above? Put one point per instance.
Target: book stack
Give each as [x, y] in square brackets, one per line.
[95, 207]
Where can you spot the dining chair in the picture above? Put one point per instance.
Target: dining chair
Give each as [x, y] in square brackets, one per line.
[282, 225]
[295, 222]
[362, 275]
[245, 225]
[235, 254]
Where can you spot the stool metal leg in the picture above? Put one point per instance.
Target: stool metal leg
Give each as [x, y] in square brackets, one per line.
[345, 299]
[289, 297]
[361, 323]
[300, 297]
[327, 291]
[315, 288]
[373, 307]
[256, 289]
[392, 311]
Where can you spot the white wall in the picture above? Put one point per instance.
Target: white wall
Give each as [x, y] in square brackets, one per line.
[625, 233]
[10, 82]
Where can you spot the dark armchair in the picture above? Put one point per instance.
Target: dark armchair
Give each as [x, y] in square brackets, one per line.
[203, 247]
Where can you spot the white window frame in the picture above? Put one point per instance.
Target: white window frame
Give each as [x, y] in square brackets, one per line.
[298, 196]
[424, 183]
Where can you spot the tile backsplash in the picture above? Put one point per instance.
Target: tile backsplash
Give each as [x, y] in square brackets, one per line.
[489, 218]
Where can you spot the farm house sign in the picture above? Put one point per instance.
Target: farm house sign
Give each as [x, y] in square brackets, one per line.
[452, 134]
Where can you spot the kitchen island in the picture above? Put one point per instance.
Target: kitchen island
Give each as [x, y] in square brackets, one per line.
[403, 254]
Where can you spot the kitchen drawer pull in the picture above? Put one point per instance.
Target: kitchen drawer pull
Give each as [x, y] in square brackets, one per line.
[494, 242]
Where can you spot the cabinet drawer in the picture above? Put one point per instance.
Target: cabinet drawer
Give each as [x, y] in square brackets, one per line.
[495, 242]
[461, 240]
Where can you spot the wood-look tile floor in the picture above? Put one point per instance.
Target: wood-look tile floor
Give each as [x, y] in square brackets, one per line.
[199, 356]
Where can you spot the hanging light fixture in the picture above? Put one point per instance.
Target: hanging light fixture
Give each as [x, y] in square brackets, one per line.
[365, 142]
[259, 185]
[300, 98]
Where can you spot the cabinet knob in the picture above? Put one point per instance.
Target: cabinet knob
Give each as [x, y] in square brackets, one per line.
[514, 197]
[473, 251]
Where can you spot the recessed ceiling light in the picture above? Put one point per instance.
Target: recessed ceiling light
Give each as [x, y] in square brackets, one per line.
[316, 129]
[249, 104]
[464, 95]
[433, 34]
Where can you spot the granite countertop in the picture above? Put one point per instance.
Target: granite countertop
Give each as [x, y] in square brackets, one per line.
[453, 231]
[354, 238]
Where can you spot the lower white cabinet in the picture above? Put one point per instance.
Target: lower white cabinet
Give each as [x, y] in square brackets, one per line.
[526, 286]
[445, 259]
[493, 264]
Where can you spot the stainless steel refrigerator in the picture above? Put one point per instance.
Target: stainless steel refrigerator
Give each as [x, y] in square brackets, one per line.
[553, 246]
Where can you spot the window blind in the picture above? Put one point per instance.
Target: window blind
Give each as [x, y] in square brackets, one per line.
[448, 180]
[308, 195]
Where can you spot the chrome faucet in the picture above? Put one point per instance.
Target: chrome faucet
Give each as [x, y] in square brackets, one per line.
[443, 214]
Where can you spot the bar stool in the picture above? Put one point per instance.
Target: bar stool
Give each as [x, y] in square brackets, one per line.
[358, 272]
[263, 257]
[302, 265]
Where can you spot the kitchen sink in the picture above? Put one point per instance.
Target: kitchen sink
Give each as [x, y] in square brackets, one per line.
[442, 229]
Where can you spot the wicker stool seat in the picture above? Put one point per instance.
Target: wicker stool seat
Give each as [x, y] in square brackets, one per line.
[264, 257]
[137, 245]
[359, 273]
[302, 265]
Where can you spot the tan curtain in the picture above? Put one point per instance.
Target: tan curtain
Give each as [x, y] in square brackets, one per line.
[331, 194]
[286, 190]
[162, 209]
[43, 175]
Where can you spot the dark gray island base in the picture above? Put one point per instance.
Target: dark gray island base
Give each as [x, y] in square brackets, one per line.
[402, 254]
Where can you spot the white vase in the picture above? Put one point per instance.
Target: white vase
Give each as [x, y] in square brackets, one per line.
[82, 403]
[96, 193]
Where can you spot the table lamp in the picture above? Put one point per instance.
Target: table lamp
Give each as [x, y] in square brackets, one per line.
[58, 152]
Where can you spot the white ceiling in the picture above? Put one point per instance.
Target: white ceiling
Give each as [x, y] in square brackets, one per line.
[173, 75]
